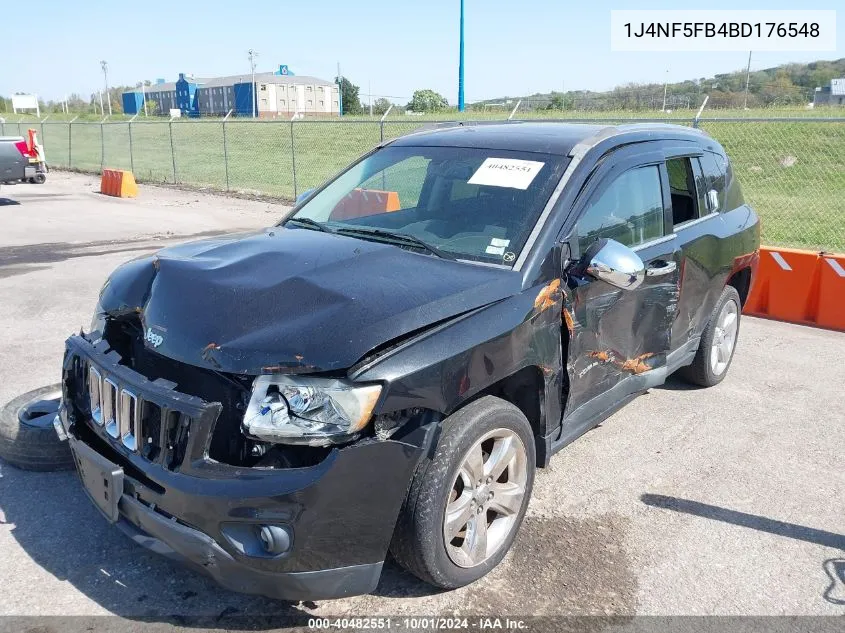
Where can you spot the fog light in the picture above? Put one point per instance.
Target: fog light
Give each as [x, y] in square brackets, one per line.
[274, 539]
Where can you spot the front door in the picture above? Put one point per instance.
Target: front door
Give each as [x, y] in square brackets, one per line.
[619, 339]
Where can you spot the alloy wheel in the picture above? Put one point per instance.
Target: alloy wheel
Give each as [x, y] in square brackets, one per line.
[724, 337]
[485, 498]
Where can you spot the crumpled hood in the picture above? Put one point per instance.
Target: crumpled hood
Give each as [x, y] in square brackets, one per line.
[292, 300]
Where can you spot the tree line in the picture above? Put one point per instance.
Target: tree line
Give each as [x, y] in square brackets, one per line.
[785, 85]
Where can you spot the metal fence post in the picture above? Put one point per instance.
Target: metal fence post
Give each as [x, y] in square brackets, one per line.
[102, 146]
[293, 159]
[70, 141]
[381, 123]
[131, 155]
[225, 155]
[172, 153]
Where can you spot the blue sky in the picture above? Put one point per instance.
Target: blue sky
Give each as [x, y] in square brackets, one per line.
[512, 48]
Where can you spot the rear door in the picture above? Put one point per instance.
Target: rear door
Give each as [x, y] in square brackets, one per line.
[619, 339]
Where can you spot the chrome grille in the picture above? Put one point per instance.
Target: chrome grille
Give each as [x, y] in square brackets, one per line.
[95, 381]
[108, 405]
[127, 419]
[118, 410]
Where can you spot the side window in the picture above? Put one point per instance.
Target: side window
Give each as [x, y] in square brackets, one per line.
[682, 189]
[733, 192]
[714, 177]
[629, 211]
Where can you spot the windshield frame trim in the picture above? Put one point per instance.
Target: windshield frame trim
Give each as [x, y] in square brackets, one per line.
[576, 156]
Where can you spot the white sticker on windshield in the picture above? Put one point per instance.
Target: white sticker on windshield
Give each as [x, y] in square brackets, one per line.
[506, 172]
[497, 241]
[495, 250]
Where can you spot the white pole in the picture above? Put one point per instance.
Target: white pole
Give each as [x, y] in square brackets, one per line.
[102, 111]
[252, 55]
[516, 107]
[386, 113]
[105, 66]
[37, 107]
[665, 84]
[370, 96]
[701, 109]
[747, 79]
[144, 97]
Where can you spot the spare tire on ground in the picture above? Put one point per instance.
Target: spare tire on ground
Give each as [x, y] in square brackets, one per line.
[27, 437]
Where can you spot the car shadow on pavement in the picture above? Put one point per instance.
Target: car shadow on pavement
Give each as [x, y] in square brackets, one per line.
[673, 383]
[5, 202]
[56, 526]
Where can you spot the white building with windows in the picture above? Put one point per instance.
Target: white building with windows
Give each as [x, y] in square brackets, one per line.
[278, 96]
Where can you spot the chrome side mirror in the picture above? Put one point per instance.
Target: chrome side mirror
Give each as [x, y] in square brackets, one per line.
[303, 196]
[616, 264]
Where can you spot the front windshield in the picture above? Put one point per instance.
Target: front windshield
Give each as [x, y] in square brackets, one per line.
[466, 203]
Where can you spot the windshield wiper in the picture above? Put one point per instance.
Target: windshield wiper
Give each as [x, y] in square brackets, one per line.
[311, 224]
[394, 238]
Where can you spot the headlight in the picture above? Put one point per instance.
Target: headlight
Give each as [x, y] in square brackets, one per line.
[98, 321]
[301, 410]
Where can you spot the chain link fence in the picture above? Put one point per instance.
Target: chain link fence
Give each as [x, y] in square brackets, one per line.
[792, 170]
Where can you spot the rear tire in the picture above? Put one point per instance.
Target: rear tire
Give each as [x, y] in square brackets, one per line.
[718, 342]
[475, 442]
[27, 437]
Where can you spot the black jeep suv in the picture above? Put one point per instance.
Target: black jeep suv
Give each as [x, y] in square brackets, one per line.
[386, 367]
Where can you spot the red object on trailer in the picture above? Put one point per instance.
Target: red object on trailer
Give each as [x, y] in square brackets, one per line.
[34, 151]
[23, 148]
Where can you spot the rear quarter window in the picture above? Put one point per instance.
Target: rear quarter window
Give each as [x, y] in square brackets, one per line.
[719, 175]
[733, 192]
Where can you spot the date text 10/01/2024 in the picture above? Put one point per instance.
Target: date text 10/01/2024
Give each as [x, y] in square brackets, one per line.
[413, 623]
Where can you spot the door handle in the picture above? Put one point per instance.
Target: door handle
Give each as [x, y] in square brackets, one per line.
[661, 268]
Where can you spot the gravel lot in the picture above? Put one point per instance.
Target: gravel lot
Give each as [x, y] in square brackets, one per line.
[722, 501]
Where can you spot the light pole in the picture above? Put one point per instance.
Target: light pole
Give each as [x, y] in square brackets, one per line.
[747, 78]
[461, 65]
[105, 66]
[252, 55]
[339, 91]
[665, 84]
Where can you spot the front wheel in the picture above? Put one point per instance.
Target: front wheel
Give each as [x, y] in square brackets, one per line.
[465, 505]
[718, 342]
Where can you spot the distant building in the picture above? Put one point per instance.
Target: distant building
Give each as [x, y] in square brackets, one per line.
[834, 94]
[133, 102]
[277, 94]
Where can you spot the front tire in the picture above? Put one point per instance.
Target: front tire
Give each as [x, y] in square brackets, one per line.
[718, 342]
[465, 505]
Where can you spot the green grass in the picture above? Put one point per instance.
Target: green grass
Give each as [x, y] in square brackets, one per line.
[792, 173]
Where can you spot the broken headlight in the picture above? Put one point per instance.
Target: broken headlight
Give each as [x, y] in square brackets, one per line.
[301, 410]
[98, 321]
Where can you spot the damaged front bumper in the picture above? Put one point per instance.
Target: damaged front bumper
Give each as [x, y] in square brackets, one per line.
[333, 521]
